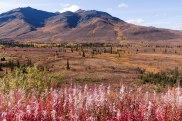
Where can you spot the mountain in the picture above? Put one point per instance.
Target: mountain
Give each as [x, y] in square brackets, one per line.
[28, 24]
[21, 21]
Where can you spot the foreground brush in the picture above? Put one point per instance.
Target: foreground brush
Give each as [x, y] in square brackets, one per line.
[83, 103]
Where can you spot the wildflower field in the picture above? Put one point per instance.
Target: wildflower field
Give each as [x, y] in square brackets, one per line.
[70, 91]
[95, 103]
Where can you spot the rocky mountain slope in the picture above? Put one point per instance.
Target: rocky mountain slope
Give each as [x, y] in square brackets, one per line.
[28, 24]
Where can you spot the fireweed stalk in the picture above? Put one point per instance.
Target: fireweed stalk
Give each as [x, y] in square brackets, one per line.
[83, 103]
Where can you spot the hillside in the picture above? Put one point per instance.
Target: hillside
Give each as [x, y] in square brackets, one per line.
[28, 24]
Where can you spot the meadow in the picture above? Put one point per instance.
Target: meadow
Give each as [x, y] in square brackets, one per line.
[91, 82]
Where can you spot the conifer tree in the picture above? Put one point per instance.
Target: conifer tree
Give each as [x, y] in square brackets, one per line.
[68, 65]
[83, 54]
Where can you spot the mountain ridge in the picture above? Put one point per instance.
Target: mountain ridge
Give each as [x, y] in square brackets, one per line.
[29, 24]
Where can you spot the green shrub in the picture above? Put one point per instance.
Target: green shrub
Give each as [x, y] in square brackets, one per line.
[28, 78]
[161, 78]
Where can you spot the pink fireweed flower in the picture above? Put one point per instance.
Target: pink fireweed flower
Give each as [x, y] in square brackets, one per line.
[121, 92]
[79, 103]
[53, 115]
[28, 110]
[3, 115]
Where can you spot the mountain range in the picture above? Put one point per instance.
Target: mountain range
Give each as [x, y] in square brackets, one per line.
[32, 25]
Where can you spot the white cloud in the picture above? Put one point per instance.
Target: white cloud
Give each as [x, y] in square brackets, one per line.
[71, 8]
[123, 5]
[136, 21]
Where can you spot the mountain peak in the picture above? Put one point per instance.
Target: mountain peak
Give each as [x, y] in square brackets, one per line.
[20, 9]
[28, 7]
[30, 15]
[80, 11]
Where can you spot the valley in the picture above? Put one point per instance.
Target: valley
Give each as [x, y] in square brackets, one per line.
[104, 63]
[87, 65]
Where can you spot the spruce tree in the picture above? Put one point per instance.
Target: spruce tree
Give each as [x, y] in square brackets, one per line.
[68, 65]
[83, 54]
[18, 63]
[111, 50]
[1, 67]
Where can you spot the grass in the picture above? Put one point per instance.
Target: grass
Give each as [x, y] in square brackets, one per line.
[88, 80]
[29, 78]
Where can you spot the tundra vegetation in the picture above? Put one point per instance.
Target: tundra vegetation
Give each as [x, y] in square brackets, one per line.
[90, 82]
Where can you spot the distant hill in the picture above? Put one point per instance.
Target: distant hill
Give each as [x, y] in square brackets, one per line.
[28, 24]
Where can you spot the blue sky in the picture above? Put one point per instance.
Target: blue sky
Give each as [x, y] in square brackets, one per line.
[158, 13]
